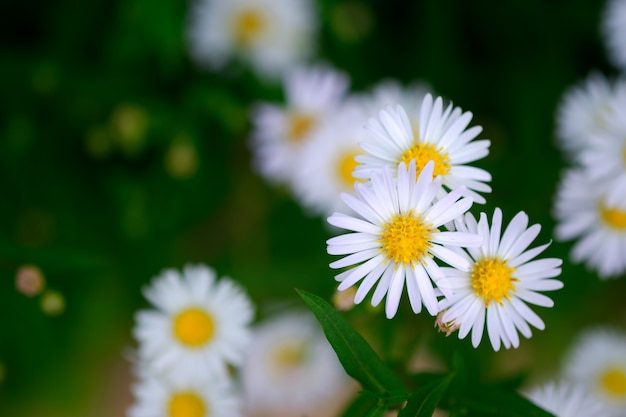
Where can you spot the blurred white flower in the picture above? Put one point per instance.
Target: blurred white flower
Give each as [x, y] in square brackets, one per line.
[597, 360]
[390, 92]
[396, 237]
[272, 36]
[584, 213]
[291, 370]
[198, 327]
[187, 397]
[566, 399]
[443, 137]
[614, 31]
[312, 97]
[501, 279]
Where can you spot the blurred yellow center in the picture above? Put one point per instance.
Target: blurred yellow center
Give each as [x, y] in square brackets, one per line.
[289, 355]
[299, 126]
[187, 404]
[346, 168]
[248, 25]
[492, 280]
[193, 327]
[424, 152]
[614, 217]
[406, 238]
[614, 381]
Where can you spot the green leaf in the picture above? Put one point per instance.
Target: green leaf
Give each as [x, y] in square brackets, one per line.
[355, 354]
[360, 406]
[424, 400]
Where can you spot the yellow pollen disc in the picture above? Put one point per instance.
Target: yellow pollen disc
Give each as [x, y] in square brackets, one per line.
[187, 404]
[613, 217]
[299, 126]
[613, 381]
[193, 327]
[289, 355]
[248, 25]
[346, 168]
[492, 280]
[406, 238]
[424, 152]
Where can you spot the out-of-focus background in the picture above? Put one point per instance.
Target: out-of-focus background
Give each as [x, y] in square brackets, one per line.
[120, 156]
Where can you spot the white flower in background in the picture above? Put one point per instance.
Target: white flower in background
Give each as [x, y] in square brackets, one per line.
[606, 160]
[291, 370]
[396, 237]
[566, 399]
[273, 36]
[312, 97]
[502, 277]
[327, 163]
[199, 324]
[443, 137]
[186, 397]
[614, 31]
[584, 214]
[390, 93]
[597, 360]
[583, 111]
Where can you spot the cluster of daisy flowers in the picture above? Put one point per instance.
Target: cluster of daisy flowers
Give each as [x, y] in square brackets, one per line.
[592, 381]
[199, 354]
[409, 226]
[590, 202]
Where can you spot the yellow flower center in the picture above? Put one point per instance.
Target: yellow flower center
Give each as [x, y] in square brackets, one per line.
[248, 25]
[346, 168]
[193, 327]
[424, 152]
[492, 280]
[613, 381]
[289, 355]
[299, 126]
[406, 238]
[613, 217]
[187, 404]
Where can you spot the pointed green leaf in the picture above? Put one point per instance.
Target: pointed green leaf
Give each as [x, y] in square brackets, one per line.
[424, 400]
[354, 353]
[493, 400]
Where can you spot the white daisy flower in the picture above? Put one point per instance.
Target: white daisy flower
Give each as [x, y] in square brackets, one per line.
[325, 170]
[566, 399]
[443, 138]
[291, 370]
[186, 397]
[396, 237]
[585, 214]
[501, 279]
[614, 31]
[597, 359]
[582, 113]
[312, 97]
[273, 36]
[199, 324]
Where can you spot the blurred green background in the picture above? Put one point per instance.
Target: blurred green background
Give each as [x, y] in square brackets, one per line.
[120, 157]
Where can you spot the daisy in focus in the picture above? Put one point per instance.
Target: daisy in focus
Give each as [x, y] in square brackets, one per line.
[272, 36]
[501, 279]
[583, 112]
[566, 399]
[614, 31]
[184, 398]
[292, 370]
[395, 237]
[585, 214]
[199, 324]
[325, 170]
[597, 360]
[312, 97]
[443, 137]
